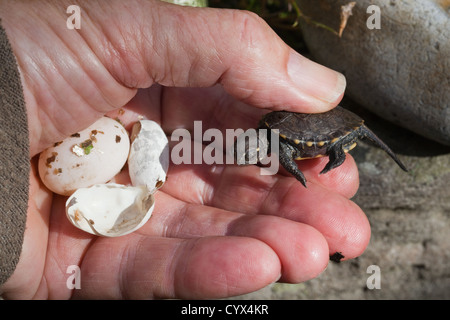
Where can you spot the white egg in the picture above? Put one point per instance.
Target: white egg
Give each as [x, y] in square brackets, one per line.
[92, 156]
[148, 161]
[110, 210]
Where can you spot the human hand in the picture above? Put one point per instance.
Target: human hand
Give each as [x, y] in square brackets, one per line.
[217, 230]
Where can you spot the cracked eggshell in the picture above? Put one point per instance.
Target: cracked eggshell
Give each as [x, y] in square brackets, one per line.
[148, 161]
[110, 210]
[92, 156]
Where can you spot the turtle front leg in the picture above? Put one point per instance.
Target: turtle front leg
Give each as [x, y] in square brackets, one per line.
[336, 158]
[286, 156]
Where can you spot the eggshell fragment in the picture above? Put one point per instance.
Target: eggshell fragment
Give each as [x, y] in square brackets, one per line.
[92, 156]
[148, 161]
[110, 210]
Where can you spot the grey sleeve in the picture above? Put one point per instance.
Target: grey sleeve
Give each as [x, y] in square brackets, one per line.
[14, 161]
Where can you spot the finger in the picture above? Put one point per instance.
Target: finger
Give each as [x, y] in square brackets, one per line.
[213, 106]
[139, 267]
[302, 250]
[244, 189]
[199, 47]
[267, 248]
[343, 179]
[342, 222]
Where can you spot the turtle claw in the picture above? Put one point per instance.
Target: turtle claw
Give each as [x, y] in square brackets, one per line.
[286, 158]
[300, 177]
[337, 157]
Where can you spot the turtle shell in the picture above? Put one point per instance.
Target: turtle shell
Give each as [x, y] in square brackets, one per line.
[316, 128]
[305, 136]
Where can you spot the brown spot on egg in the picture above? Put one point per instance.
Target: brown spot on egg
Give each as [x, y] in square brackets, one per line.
[51, 159]
[159, 184]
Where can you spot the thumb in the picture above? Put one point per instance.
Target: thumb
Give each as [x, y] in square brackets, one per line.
[199, 47]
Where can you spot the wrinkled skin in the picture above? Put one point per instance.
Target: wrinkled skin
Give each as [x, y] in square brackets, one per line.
[217, 230]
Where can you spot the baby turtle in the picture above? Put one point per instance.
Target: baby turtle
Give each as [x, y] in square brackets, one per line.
[305, 136]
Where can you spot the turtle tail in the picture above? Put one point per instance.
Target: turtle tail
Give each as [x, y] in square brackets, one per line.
[367, 133]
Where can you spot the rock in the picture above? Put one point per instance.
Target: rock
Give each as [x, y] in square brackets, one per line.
[400, 71]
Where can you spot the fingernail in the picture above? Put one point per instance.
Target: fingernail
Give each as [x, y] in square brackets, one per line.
[316, 80]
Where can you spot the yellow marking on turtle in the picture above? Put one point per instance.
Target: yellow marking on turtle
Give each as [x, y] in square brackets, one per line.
[305, 158]
[296, 141]
[347, 149]
[283, 136]
[321, 143]
[309, 143]
[334, 140]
